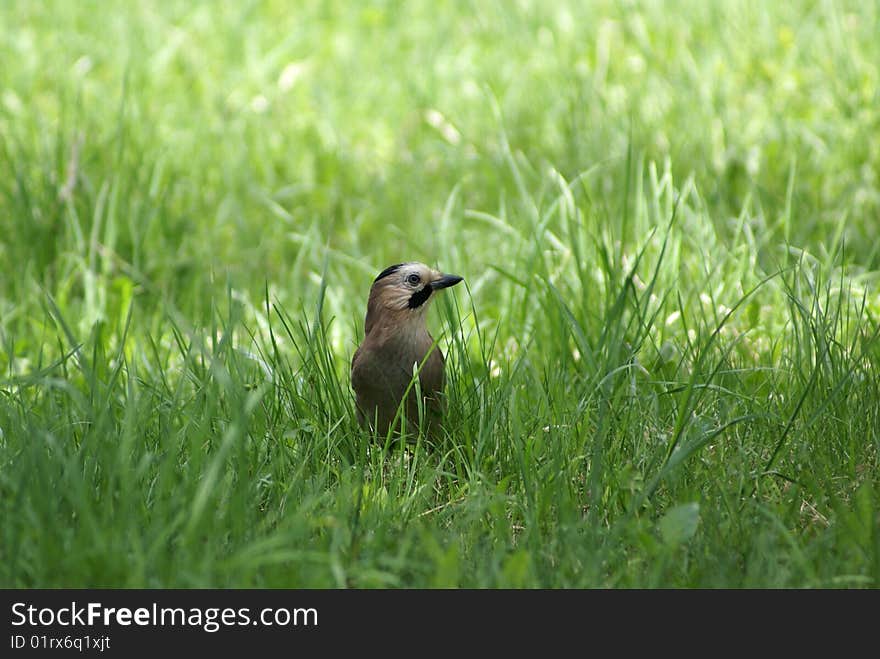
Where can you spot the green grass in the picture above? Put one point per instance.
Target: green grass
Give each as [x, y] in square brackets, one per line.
[664, 368]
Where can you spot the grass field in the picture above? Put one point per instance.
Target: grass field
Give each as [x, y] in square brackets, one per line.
[664, 367]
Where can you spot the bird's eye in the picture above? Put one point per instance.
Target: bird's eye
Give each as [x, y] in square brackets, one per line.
[413, 279]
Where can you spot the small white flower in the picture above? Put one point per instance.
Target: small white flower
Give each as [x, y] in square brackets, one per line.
[449, 132]
[259, 104]
[83, 65]
[290, 74]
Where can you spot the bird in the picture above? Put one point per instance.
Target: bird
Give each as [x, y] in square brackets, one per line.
[397, 345]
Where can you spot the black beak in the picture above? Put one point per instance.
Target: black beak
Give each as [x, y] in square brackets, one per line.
[445, 282]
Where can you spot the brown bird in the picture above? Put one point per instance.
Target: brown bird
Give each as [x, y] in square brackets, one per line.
[396, 345]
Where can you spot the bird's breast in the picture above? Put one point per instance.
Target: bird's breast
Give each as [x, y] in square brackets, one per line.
[398, 354]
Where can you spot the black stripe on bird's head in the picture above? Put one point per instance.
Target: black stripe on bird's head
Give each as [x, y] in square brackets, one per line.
[390, 270]
[421, 296]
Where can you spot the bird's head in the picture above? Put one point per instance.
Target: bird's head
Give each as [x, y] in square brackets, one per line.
[403, 291]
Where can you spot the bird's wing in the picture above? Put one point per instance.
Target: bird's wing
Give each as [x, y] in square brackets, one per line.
[372, 379]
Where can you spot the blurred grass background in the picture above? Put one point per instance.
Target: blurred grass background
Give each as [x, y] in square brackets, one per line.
[194, 198]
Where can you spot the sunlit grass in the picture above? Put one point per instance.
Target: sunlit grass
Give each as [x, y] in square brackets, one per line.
[662, 366]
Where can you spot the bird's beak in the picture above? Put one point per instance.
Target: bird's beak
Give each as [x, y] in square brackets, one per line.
[445, 281]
